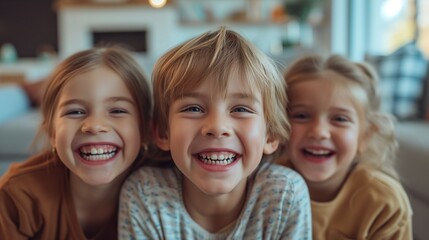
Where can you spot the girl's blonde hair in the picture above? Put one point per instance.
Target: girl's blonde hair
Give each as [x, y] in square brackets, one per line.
[214, 55]
[115, 58]
[381, 145]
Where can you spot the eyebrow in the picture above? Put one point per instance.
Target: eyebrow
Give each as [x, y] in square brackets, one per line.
[111, 99]
[345, 110]
[237, 95]
[340, 109]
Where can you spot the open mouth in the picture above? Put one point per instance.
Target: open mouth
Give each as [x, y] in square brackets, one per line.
[222, 158]
[319, 153]
[98, 152]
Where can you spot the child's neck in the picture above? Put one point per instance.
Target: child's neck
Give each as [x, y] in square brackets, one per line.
[328, 190]
[213, 213]
[95, 206]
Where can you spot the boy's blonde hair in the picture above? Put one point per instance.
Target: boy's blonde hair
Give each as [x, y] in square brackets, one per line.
[214, 55]
[115, 58]
[381, 145]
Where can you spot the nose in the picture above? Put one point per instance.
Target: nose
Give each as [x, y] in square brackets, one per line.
[95, 124]
[319, 130]
[216, 125]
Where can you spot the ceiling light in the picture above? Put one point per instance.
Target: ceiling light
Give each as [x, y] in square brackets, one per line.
[157, 3]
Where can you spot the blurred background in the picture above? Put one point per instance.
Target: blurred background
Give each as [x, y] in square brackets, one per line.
[45, 28]
[392, 35]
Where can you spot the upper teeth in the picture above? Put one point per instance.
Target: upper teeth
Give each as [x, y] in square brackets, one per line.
[216, 156]
[98, 150]
[317, 152]
[98, 153]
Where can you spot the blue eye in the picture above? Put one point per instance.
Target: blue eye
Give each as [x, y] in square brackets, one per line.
[75, 112]
[241, 109]
[192, 109]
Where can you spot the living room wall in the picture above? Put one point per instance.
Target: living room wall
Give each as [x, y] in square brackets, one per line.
[30, 25]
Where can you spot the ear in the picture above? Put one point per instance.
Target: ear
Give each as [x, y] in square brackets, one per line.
[162, 142]
[271, 145]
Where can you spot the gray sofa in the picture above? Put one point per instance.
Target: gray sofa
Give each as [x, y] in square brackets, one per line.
[19, 122]
[413, 167]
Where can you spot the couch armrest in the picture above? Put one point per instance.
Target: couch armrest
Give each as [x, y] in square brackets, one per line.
[13, 102]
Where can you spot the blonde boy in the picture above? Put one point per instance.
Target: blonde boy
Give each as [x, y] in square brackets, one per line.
[220, 111]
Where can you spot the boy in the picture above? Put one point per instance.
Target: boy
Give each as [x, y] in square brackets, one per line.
[220, 111]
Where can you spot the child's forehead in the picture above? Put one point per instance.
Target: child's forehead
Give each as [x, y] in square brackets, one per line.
[328, 78]
[234, 83]
[222, 84]
[328, 88]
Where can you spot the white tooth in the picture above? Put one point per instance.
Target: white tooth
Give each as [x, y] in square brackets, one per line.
[221, 157]
[100, 151]
[213, 157]
[94, 151]
[318, 152]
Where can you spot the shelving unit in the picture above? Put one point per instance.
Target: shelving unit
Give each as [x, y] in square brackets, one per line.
[238, 12]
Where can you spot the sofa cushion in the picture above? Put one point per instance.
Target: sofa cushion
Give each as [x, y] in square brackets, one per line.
[402, 77]
[13, 102]
[17, 135]
[413, 155]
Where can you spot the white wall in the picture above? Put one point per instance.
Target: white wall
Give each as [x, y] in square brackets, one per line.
[165, 29]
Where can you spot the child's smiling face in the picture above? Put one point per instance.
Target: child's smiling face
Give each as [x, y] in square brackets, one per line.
[217, 140]
[96, 126]
[327, 127]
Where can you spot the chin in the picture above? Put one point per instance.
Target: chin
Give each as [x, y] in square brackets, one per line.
[316, 178]
[99, 181]
[218, 190]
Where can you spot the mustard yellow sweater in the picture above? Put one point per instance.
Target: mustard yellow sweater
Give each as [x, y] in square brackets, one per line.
[370, 205]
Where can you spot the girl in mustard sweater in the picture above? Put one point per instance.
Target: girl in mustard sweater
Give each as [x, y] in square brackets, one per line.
[344, 147]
